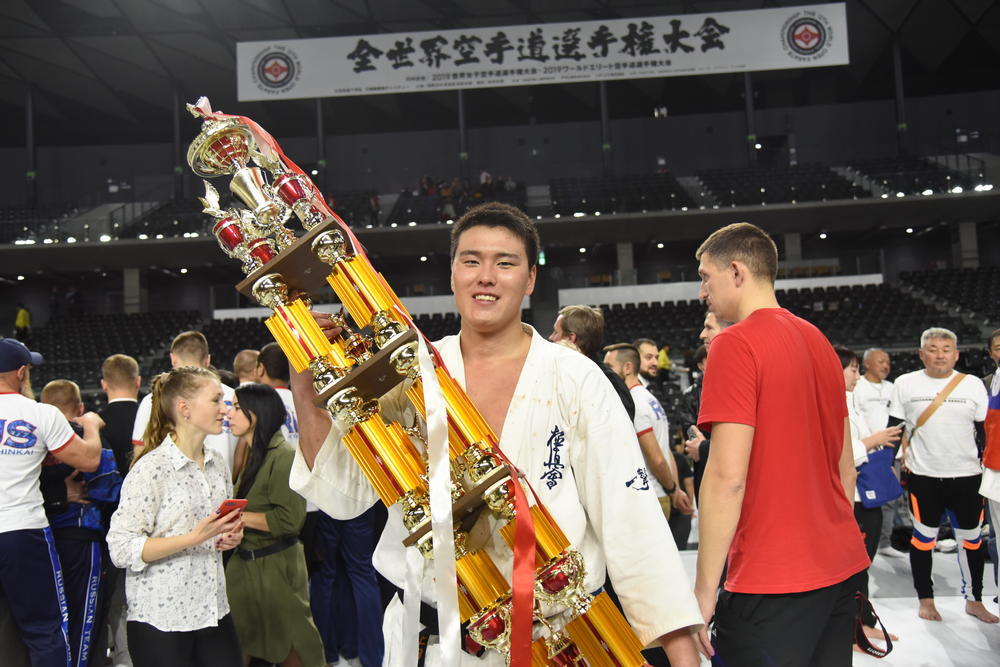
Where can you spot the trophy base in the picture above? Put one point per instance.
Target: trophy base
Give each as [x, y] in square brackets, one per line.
[375, 377]
[466, 507]
[298, 264]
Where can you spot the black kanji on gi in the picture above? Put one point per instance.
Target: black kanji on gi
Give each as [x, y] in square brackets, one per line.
[400, 53]
[567, 45]
[363, 55]
[433, 55]
[639, 40]
[496, 47]
[673, 40]
[710, 32]
[466, 46]
[600, 41]
[534, 49]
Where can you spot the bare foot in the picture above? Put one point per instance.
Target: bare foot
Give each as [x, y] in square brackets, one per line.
[929, 612]
[875, 633]
[978, 610]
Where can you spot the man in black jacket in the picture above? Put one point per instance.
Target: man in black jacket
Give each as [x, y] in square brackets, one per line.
[120, 381]
[697, 445]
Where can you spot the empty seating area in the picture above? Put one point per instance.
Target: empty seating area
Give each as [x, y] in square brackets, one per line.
[433, 209]
[760, 185]
[674, 323]
[854, 315]
[912, 175]
[857, 315]
[617, 194]
[18, 222]
[174, 218]
[75, 348]
[438, 325]
[977, 290]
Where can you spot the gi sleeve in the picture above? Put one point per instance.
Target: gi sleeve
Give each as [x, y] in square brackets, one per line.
[141, 419]
[642, 558]
[335, 483]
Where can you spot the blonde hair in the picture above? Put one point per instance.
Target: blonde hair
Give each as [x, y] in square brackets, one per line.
[120, 371]
[190, 346]
[183, 382]
[63, 394]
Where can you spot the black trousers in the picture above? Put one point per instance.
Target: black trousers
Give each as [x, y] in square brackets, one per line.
[208, 647]
[870, 523]
[809, 629]
[930, 498]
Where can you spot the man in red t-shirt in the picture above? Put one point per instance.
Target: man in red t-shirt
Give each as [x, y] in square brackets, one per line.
[776, 497]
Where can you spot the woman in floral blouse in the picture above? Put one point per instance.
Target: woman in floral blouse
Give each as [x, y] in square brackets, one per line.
[168, 535]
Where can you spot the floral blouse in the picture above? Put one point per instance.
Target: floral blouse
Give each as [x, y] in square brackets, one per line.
[164, 495]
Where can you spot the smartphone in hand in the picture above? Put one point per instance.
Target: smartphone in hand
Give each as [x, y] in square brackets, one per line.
[230, 505]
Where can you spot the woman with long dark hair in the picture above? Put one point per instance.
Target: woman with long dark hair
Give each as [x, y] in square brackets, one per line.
[267, 578]
[168, 534]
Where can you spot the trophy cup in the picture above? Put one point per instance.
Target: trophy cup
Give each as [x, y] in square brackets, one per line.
[349, 377]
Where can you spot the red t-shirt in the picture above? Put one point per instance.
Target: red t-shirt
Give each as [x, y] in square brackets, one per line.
[779, 374]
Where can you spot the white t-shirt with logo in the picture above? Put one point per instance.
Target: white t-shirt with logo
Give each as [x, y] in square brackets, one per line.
[290, 429]
[650, 416]
[224, 443]
[871, 401]
[945, 446]
[28, 432]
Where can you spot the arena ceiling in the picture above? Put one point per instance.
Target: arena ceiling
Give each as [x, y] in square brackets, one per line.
[106, 71]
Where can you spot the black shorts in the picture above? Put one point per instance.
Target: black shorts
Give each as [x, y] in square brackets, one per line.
[809, 629]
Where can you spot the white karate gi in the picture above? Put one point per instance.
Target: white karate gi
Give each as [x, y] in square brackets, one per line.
[567, 432]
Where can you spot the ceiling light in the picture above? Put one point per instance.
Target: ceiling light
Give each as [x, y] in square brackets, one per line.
[184, 270]
[909, 230]
[423, 258]
[104, 238]
[822, 235]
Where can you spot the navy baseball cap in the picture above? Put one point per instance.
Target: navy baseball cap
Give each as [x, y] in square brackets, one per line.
[14, 354]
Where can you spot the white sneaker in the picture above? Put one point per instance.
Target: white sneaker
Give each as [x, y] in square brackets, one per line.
[947, 546]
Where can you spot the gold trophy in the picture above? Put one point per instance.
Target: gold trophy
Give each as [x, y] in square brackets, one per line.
[349, 378]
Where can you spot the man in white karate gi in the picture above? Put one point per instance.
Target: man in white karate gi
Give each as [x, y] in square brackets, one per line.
[560, 422]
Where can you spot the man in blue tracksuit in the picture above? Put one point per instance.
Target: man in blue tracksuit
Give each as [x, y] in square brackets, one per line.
[78, 511]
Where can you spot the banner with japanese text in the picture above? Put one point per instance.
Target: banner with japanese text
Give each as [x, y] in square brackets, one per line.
[532, 54]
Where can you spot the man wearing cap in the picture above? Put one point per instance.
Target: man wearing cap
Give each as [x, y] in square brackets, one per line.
[30, 576]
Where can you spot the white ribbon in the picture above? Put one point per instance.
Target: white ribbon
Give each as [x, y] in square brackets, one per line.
[439, 480]
[406, 655]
